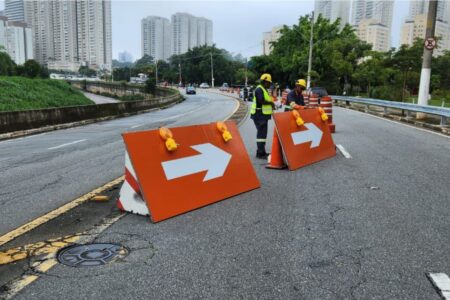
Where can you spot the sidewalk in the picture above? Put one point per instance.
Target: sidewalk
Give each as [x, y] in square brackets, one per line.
[100, 99]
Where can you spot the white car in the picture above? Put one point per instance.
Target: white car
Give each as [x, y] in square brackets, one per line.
[204, 85]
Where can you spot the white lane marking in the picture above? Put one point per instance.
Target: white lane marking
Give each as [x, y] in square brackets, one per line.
[442, 282]
[397, 122]
[136, 126]
[23, 138]
[67, 144]
[343, 151]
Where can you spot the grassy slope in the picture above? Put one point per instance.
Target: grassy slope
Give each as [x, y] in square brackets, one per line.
[19, 93]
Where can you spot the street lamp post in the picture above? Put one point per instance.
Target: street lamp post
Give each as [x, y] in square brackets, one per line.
[308, 81]
[212, 71]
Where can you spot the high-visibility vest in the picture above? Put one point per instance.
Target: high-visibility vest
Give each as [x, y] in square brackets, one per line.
[266, 108]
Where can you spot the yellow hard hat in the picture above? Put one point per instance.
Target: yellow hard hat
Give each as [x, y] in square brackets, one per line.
[266, 77]
[301, 82]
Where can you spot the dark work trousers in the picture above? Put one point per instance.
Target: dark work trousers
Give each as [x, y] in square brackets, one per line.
[261, 134]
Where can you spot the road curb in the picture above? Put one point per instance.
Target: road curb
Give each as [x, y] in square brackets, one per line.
[241, 114]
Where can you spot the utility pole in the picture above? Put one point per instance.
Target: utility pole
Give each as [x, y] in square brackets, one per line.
[425, 75]
[156, 72]
[212, 71]
[308, 80]
[179, 71]
[246, 78]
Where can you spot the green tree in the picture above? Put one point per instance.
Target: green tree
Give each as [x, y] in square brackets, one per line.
[122, 74]
[150, 85]
[31, 68]
[335, 54]
[86, 71]
[144, 61]
[7, 65]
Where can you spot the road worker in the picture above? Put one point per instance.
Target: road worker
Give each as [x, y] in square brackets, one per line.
[261, 113]
[295, 99]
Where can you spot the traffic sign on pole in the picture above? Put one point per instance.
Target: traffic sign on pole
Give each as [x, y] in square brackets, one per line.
[430, 43]
[304, 141]
[204, 167]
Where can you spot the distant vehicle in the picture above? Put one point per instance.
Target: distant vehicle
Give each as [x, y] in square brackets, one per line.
[224, 87]
[204, 85]
[319, 91]
[190, 90]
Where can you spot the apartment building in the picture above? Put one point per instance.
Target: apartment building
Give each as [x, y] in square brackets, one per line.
[269, 37]
[333, 10]
[16, 39]
[67, 33]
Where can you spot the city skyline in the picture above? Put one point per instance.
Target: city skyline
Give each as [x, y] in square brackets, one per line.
[239, 32]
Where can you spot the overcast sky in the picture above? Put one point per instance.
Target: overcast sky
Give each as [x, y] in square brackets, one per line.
[238, 25]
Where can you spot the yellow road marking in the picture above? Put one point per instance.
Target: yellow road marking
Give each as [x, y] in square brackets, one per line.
[49, 261]
[55, 213]
[39, 248]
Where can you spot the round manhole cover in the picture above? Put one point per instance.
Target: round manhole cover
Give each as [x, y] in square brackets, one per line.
[91, 255]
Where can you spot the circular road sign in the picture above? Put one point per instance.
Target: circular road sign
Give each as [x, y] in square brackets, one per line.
[430, 43]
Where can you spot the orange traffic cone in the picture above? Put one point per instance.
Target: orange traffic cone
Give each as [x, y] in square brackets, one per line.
[276, 156]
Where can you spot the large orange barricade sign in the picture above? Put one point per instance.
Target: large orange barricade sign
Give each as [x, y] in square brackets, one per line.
[202, 170]
[305, 144]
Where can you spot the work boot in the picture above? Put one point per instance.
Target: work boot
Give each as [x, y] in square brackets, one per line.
[262, 155]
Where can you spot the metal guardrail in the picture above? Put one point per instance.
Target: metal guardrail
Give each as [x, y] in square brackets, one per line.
[443, 112]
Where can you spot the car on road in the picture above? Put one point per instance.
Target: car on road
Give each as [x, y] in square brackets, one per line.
[319, 91]
[190, 90]
[204, 85]
[224, 87]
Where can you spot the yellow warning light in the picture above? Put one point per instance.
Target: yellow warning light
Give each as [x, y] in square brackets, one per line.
[167, 136]
[298, 120]
[323, 115]
[222, 127]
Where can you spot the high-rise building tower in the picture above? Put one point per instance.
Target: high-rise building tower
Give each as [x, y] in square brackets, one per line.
[381, 11]
[269, 37]
[125, 57]
[15, 10]
[414, 26]
[189, 31]
[67, 33]
[16, 39]
[420, 7]
[333, 10]
[373, 21]
[156, 37]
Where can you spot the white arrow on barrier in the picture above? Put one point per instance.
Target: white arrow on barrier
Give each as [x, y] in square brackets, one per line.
[313, 135]
[211, 159]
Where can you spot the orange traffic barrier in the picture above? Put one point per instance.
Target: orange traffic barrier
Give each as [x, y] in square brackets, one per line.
[304, 136]
[284, 97]
[275, 160]
[313, 100]
[130, 196]
[327, 104]
[306, 99]
[209, 164]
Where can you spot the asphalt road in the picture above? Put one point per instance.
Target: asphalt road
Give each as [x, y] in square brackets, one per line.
[42, 172]
[368, 227]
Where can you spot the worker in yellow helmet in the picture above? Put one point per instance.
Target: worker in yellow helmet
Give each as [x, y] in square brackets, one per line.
[295, 97]
[261, 113]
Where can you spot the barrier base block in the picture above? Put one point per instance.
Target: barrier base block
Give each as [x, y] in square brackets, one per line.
[332, 127]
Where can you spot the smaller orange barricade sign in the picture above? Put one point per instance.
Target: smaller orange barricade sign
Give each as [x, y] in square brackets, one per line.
[203, 166]
[307, 143]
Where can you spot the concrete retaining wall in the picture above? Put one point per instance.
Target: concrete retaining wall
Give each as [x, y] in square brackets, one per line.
[118, 89]
[23, 120]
